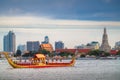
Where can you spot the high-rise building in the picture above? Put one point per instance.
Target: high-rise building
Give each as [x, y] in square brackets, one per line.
[5, 43]
[105, 45]
[59, 45]
[33, 45]
[9, 42]
[46, 40]
[117, 45]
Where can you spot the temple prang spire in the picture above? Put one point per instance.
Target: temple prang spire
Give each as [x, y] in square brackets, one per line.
[105, 45]
[105, 30]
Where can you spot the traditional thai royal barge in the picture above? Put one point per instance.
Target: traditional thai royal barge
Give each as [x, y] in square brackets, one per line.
[38, 62]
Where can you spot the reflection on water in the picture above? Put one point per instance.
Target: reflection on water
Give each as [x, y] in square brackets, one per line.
[83, 70]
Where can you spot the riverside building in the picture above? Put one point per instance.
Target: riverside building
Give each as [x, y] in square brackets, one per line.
[9, 42]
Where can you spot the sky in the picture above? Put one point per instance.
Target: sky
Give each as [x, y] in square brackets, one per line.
[74, 22]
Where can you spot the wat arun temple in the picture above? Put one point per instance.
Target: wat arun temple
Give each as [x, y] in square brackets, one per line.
[105, 45]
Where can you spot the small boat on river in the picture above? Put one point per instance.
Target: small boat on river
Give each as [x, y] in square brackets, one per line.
[38, 62]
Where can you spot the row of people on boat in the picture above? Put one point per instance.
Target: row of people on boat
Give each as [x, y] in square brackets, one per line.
[47, 59]
[55, 59]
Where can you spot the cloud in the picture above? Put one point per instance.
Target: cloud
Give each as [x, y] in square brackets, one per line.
[62, 9]
[37, 21]
[14, 11]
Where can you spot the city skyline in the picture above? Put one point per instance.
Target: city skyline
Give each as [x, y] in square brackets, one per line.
[72, 21]
[69, 43]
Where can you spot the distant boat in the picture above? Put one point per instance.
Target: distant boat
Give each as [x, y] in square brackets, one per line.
[108, 58]
[41, 64]
[86, 58]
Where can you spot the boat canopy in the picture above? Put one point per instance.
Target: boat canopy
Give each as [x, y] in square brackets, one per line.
[39, 56]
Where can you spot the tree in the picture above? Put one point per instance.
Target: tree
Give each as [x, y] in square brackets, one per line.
[95, 53]
[45, 52]
[118, 53]
[29, 54]
[65, 54]
[82, 55]
[98, 53]
[105, 54]
[18, 53]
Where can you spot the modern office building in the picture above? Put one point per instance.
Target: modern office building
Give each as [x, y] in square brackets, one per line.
[117, 45]
[5, 43]
[105, 45]
[59, 45]
[33, 45]
[9, 42]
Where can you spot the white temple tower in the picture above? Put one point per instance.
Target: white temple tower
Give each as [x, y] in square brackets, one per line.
[105, 45]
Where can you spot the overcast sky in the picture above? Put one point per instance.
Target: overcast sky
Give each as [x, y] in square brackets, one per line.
[74, 22]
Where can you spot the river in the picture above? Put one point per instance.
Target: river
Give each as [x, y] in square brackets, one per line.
[83, 70]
